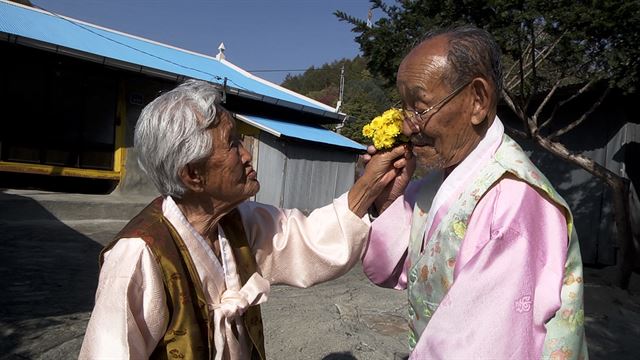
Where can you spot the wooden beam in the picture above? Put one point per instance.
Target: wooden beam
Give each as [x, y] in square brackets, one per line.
[58, 170]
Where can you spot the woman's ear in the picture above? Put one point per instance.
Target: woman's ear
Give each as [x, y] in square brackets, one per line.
[192, 177]
[481, 92]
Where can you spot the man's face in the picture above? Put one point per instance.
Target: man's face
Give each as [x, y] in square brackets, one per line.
[444, 136]
[229, 176]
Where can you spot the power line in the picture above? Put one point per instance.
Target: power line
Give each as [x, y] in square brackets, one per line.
[213, 76]
[289, 70]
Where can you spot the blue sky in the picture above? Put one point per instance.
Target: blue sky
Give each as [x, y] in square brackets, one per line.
[258, 34]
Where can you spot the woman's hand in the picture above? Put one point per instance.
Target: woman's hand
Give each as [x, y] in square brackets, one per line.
[395, 187]
[384, 179]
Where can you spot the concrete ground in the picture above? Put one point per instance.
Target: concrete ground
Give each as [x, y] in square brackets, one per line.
[49, 245]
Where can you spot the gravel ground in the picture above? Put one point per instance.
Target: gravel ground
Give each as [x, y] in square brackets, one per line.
[49, 272]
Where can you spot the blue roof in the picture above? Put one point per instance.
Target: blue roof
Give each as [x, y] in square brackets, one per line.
[78, 38]
[314, 133]
[84, 37]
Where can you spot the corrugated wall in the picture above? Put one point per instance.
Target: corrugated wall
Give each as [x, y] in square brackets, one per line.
[302, 175]
[271, 162]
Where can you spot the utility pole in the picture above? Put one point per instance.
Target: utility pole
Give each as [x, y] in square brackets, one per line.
[339, 104]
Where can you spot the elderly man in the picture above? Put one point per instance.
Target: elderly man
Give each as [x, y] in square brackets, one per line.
[484, 245]
[183, 279]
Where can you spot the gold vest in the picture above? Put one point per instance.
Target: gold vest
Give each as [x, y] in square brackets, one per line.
[189, 333]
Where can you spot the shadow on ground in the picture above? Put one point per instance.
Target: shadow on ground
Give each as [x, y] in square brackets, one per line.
[49, 274]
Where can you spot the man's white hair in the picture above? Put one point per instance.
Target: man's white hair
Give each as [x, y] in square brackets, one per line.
[171, 133]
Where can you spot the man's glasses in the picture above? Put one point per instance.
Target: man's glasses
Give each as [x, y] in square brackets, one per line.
[417, 117]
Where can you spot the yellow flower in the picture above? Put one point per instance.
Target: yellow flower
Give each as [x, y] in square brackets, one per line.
[377, 123]
[385, 129]
[392, 130]
[367, 131]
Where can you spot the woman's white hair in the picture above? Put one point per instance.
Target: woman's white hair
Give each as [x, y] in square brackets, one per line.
[171, 133]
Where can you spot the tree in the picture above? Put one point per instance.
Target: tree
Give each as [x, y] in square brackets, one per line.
[364, 95]
[547, 46]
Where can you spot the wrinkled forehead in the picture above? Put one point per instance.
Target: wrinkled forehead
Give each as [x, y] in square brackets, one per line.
[225, 124]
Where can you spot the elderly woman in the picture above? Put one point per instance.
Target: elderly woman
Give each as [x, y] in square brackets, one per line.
[184, 278]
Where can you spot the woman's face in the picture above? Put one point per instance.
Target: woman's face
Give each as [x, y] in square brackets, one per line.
[229, 176]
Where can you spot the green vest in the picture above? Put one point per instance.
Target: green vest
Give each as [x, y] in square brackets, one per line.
[565, 331]
[189, 333]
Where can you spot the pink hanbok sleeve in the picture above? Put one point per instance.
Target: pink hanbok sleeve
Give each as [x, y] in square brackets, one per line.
[385, 256]
[298, 250]
[507, 280]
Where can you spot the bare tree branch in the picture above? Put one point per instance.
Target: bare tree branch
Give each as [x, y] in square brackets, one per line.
[509, 100]
[586, 87]
[546, 100]
[515, 132]
[526, 50]
[522, 65]
[582, 161]
[545, 53]
[518, 111]
[533, 60]
[582, 118]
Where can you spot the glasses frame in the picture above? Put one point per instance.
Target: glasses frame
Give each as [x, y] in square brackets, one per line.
[413, 115]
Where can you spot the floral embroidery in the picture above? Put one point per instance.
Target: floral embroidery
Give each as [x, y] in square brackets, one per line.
[566, 313]
[572, 320]
[523, 304]
[428, 289]
[444, 282]
[175, 277]
[412, 339]
[427, 308]
[535, 175]
[436, 248]
[570, 279]
[459, 228]
[176, 354]
[413, 275]
[184, 297]
[424, 273]
[561, 354]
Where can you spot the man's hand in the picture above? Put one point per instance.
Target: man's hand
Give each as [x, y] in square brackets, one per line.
[380, 174]
[395, 187]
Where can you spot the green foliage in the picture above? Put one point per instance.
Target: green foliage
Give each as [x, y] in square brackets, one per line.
[585, 40]
[364, 96]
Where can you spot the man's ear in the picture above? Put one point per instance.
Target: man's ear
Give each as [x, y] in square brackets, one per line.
[481, 92]
[192, 177]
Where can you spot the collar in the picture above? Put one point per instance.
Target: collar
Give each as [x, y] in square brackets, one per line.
[464, 172]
